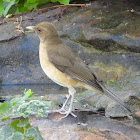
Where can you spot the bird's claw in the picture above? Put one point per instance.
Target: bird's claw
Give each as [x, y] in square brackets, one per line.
[66, 113]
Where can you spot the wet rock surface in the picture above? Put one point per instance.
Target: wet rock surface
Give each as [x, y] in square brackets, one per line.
[105, 35]
[86, 126]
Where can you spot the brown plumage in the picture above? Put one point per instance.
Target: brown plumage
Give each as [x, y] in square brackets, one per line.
[64, 67]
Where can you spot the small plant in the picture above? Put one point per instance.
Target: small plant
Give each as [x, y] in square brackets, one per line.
[22, 107]
[20, 130]
[111, 81]
[16, 6]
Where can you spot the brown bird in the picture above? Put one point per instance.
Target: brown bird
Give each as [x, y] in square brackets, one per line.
[65, 68]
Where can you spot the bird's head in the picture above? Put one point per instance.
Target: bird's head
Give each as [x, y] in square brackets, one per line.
[46, 32]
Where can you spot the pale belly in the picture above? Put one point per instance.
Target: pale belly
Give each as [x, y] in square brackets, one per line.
[54, 74]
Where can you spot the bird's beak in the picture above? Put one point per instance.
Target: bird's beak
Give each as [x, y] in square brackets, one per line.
[30, 28]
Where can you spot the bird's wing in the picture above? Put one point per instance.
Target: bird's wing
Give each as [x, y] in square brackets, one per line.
[67, 62]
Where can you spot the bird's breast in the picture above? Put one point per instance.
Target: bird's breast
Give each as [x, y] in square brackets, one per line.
[52, 72]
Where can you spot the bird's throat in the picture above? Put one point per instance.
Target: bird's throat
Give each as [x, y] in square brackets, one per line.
[51, 40]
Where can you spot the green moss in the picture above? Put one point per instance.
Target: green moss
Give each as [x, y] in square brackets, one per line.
[118, 69]
[91, 130]
[112, 20]
[119, 19]
[131, 27]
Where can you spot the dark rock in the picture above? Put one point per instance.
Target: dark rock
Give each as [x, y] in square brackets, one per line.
[85, 127]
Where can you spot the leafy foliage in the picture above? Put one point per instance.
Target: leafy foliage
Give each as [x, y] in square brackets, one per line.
[34, 132]
[16, 6]
[6, 131]
[25, 107]
[20, 130]
[1, 7]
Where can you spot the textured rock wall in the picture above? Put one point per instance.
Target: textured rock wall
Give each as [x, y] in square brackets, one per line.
[105, 35]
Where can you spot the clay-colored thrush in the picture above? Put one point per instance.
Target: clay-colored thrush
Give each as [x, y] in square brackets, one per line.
[65, 68]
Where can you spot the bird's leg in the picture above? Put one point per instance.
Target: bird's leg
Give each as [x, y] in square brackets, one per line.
[72, 91]
[65, 103]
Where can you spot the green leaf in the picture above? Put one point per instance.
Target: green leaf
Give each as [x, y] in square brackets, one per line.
[34, 132]
[1, 8]
[64, 1]
[31, 6]
[61, 1]
[38, 135]
[16, 136]
[14, 125]
[23, 122]
[6, 131]
[19, 100]
[30, 132]
[4, 107]
[42, 2]
[6, 0]
[32, 1]
[12, 10]
[8, 7]
[5, 118]
[20, 8]
[29, 93]
[54, 0]
[2, 138]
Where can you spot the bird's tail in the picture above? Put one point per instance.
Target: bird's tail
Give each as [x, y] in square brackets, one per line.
[115, 98]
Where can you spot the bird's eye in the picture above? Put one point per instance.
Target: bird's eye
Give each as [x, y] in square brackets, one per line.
[39, 30]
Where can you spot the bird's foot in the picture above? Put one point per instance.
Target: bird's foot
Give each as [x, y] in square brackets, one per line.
[66, 113]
